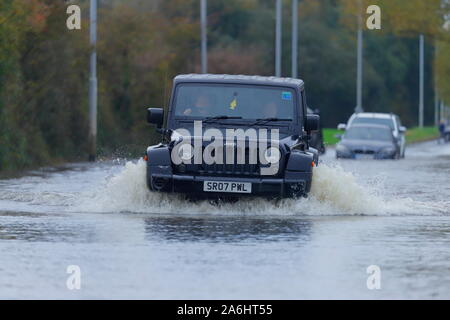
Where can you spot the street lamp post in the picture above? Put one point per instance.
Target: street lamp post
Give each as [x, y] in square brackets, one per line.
[421, 75]
[203, 25]
[93, 83]
[294, 38]
[278, 38]
[359, 63]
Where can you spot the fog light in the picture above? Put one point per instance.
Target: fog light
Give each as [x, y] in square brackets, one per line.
[160, 183]
[297, 189]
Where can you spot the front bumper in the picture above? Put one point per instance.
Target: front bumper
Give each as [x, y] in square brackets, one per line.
[293, 184]
[352, 155]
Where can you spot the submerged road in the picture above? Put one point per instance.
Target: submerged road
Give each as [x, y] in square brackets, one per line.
[129, 243]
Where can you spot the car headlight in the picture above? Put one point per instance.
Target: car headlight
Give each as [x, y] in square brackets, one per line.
[185, 152]
[388, 150]
[272, 155]
[342, 149]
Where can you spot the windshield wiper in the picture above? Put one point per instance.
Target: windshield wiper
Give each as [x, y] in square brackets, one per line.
[222, 117]
[265, 120]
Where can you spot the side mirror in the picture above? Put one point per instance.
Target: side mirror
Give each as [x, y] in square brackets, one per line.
[402, 129]
[155, 116]
[312, 122]
[342, 126]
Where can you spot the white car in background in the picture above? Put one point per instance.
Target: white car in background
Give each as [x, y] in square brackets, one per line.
[388, 119]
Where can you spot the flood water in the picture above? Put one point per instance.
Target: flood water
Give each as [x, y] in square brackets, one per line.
[130, 243]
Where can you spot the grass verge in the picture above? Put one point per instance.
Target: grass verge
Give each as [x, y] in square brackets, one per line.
[329, 138]
[421, 134]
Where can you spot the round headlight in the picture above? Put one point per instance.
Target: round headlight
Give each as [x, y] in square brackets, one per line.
[341, 147]
[388, 150]
[272, 155]
[185, 152]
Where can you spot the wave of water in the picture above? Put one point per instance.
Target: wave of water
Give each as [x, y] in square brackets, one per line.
[334, 192]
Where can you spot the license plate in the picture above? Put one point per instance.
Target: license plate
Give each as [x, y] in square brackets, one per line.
[364, 156]
[227, 186]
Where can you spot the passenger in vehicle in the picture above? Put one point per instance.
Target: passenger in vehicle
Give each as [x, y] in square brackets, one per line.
[270, 110]
[201, 108]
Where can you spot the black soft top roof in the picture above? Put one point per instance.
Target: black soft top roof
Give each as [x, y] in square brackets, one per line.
[240, 79]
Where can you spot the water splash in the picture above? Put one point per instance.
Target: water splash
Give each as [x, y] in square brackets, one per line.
[334, 192]
[340, 190]
[122, 188]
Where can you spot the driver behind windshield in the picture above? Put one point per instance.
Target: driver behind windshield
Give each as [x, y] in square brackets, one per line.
[270, 110]
[201, 107]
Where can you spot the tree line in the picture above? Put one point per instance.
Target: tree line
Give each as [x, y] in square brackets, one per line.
[142, 45]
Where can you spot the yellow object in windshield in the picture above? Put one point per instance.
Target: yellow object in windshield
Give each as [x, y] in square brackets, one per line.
[233, 104]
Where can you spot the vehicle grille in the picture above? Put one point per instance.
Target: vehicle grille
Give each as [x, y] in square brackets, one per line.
[231, 169]
[224, 169]
[359, 151]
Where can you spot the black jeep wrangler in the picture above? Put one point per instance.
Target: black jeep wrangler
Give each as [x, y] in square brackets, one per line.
[228, 136]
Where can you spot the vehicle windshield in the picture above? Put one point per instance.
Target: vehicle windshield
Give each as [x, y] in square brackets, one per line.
[366, 120]
[368, 133]
[237, 101]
